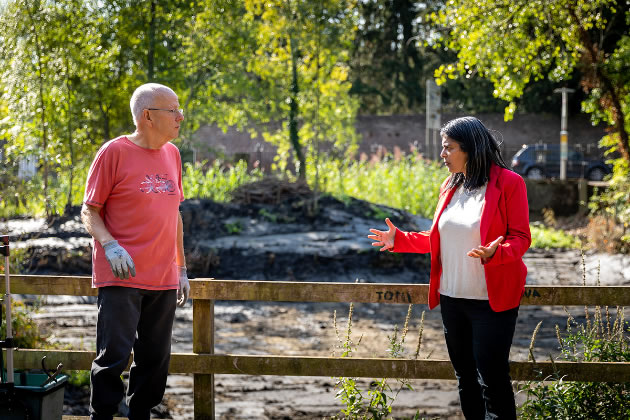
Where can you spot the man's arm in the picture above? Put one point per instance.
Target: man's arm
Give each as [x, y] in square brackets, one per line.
[93, 222]
[181, 258]
[119, 259]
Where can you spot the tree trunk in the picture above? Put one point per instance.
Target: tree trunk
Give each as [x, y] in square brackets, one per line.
[610, 101]
[151, 49]
[70, 144]
[294, 111]
[42, 105]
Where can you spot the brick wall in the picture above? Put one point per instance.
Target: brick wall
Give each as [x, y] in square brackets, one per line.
[405, 131]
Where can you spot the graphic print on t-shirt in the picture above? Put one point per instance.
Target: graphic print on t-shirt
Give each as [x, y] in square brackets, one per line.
[157, 184]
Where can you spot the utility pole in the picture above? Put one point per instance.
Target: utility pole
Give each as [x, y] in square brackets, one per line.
[564, 134]
[433, 104]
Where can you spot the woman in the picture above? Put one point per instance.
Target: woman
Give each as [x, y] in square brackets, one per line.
[479, 234]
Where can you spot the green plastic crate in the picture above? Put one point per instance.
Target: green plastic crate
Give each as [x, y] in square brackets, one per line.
[41, 402]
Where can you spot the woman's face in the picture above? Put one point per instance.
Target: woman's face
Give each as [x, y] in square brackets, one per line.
[454, 157]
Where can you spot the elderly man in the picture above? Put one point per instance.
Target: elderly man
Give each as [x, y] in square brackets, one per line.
[131, 209]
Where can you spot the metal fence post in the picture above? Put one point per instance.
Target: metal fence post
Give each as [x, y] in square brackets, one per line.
[203, 342]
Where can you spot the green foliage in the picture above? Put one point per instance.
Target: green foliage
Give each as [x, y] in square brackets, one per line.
[281, 66]
[25, 330]
[234, 228]
[596, 338]
[545, 238]
[214, 181]
[408, 183]
[68, 69]
[613, 204]
[388, 69]
[592, 340]
[27, 197]
[377, 401]
[378, 213]
[79, 378]
[513, 44]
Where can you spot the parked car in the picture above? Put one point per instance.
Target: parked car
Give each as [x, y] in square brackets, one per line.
[538, 161]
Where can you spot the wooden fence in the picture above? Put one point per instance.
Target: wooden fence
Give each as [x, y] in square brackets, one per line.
[203, 363]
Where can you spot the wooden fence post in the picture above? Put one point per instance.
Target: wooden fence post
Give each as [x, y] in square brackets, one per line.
[203, 342]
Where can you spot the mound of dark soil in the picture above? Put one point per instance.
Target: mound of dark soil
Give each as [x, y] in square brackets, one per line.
[287, 236]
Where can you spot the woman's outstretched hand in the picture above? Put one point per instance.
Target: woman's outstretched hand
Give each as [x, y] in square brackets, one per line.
[384, 239]
[485, 252]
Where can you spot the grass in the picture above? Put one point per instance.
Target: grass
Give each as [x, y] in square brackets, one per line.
[214, 181]
[407, 182]
[547, 238]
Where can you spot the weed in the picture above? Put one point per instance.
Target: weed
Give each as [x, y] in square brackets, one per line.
[267, 215]
[79, 378]
[234, 228]
[26, 333]
[377, 401]
[593, 340]
[378, 213]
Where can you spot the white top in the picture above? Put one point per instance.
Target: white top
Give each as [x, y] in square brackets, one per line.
[462, 276]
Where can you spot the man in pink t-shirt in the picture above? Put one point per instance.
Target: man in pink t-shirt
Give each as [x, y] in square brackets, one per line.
[131, 209]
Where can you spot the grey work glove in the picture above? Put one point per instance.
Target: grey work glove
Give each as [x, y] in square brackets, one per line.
[119, 260]
[184, 286]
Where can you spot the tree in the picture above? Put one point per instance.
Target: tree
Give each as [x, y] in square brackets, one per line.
[68, 69]
[279, 62]
[388, 68]
[513, 43]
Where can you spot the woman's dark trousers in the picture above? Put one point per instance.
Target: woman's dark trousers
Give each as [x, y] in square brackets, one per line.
[137, 319]
[478, 341]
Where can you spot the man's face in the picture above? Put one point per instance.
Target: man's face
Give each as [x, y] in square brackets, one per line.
[166, 123]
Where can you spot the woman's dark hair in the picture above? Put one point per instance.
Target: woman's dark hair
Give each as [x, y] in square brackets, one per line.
[483, 150]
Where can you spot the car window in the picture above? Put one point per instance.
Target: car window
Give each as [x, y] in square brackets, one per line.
[524, 153]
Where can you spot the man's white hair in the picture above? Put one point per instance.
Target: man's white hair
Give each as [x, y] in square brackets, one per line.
[144, 96]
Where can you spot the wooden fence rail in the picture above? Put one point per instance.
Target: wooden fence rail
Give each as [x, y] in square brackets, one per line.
[203, 363]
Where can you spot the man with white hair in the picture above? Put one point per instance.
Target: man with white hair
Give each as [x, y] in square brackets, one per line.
[131, 209]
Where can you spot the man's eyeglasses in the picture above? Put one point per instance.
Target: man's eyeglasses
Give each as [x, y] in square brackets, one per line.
[172, 111]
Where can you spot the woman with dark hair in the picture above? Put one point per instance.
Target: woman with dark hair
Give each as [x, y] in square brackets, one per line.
[479, 234]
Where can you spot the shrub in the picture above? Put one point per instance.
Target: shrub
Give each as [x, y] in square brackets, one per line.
[546, 238]
[595, 339]
[26, 333]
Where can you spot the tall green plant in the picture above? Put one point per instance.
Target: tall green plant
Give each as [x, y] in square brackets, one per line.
[214, 181]
[377, 401]
[408, 182]
[596, 338]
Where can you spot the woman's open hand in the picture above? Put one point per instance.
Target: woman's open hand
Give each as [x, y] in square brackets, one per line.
[485, 252]
[384, 239]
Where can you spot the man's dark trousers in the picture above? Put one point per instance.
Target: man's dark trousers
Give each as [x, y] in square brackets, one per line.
[142, 320]
[478, 342]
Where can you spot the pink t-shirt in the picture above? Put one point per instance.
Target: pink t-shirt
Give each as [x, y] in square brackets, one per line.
[138, 191]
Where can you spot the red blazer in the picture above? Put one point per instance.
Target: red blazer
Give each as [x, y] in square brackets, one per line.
[505, 213]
